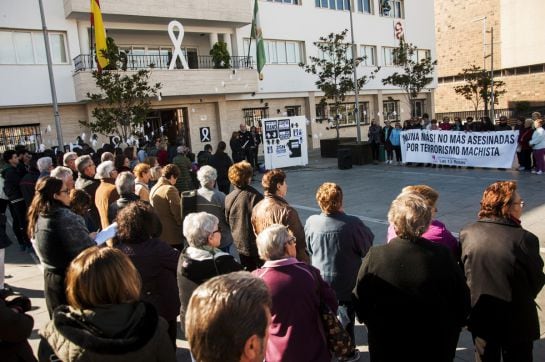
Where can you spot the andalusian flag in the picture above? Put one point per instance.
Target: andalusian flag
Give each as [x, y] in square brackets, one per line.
[100, 34]
[257, 34]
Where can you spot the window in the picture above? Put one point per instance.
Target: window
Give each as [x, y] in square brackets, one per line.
[28, 135]
[28, 47]
[369, 54]
[364, 6]
[280, 51]
[142, 56]
[326, 56]
[422, 54]
[292, 111]
[391, 110]
[333, 4]
[346, 113]
[253, 116]
[418, 108]
[293, 2]
[388, 56]
[392, 8]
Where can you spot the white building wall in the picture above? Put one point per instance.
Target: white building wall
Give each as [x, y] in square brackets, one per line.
[29, 84]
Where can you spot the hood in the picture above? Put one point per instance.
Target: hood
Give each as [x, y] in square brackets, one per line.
[108, 329]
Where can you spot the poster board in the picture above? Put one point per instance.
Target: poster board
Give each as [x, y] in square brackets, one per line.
[285, 142]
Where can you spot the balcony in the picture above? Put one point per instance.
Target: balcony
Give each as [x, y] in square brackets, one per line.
[135, 62]
[233, 12]
[203, 80]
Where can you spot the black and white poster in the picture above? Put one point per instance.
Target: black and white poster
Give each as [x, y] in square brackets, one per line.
[205, 135]
[285, 142]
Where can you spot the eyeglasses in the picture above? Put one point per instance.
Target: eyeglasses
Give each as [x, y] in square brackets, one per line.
[216, 231]
[292, 240]
[521, 203]
[64, 191]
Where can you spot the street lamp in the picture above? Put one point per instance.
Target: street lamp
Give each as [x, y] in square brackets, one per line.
[356, 91]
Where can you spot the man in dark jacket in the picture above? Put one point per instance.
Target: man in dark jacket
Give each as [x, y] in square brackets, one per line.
[15, 328]
[86, 181]
[221, 162]
[12, 179]
[124, 184]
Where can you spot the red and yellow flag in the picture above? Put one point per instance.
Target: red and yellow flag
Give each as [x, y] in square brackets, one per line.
[100, 34]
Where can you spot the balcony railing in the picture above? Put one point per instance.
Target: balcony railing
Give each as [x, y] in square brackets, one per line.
[135, 62]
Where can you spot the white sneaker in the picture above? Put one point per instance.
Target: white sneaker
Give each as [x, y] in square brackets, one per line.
[521, 168]
[539, 172]
[534, 171]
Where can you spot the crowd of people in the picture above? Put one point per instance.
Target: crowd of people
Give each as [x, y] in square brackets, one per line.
[246, 277]
[530, 143]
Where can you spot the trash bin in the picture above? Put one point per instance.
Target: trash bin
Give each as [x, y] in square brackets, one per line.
[344, 158]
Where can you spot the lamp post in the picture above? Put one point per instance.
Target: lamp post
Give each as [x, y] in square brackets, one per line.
[51, 80]
[356, 91]
[483, 19]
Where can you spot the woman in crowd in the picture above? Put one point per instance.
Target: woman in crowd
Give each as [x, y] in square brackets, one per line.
[296, 290]
[238, 211]
[437, 232]
[537, 142]
[505, 273]
[221, 162]
[155, 174]
[374, 138]
[154, 259]
[274, 209]
[212, 201]
[385, 138]
[457, 124]
[143, 176]
[80, 203]
[236, 148]
[395, 140]
[254, 149]
[524, 150]
[104, 319]
[122, 163]
[59, 236]
[130, 153]
[410, 293]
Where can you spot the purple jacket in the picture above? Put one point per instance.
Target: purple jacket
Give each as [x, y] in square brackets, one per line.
[437, 233]
[296, 333]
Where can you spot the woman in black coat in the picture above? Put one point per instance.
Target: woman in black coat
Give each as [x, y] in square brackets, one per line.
[410, 293]
[221, 162]
[505, 273]
[155, 260]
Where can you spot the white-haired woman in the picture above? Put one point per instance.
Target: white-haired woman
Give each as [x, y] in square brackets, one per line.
[212, 201]
[202, 259]
[295, 332]
[410, 293]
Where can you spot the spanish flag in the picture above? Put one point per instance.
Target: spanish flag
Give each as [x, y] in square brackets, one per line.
[100, 34]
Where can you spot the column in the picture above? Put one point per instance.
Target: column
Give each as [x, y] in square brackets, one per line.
[227, 40]
[378, 111]
[310, 106]
[83, 37]
[213, 39]
[430, 100]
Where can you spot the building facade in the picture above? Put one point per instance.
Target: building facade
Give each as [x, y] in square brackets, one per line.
[202, 96]
[519, 57]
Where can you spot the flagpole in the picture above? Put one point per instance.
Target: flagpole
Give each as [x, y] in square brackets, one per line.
[91, 47]
[249, 48]
[51, 80]
[356, 92]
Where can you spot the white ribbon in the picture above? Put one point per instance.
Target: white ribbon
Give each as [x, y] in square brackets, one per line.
[205, 135]
[177, 42]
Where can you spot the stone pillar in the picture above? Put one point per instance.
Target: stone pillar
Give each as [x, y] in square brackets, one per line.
[83, 37]
[310, 106]
[378, 111]
[430, 103]
[224, 134]
[213, 39]
[227, 40]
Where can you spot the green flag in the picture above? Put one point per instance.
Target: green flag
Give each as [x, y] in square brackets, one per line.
[257, 34]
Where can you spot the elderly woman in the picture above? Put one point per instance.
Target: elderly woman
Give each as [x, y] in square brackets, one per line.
[410, 293]
[504, 272]
[155, 261]
[437, 232]
[59, 236]
[537, 142]
[212, 201]
[296, 290]
[105, 319]
[143, 175]
[203, 259]
[106, 192]
[524, 150]
[274, 209]
[238, 211]
[65, 174]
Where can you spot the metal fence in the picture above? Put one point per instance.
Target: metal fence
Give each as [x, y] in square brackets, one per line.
[135, 62]
[508, 112]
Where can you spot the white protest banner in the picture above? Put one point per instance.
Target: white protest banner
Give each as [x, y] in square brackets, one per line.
[458, 148]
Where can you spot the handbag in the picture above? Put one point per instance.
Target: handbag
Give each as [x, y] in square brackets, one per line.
[338, 340]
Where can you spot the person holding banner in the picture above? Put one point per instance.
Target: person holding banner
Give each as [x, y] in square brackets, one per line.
[395, 140]
[538, 145]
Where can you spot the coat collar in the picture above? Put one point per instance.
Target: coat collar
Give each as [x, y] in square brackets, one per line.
[500, 221]
[275, 197]
[281, 262]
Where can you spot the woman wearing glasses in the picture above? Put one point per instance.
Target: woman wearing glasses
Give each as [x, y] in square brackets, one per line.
[504, 272]
[59, 236]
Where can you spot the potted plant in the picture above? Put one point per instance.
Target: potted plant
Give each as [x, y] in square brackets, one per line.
[220, 55]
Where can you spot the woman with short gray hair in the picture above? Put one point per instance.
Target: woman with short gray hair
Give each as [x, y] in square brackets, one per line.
[411, 287]
[296, 290]
[202, 259]
[212, 201]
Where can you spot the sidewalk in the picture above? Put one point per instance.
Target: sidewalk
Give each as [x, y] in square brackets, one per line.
[368, 191]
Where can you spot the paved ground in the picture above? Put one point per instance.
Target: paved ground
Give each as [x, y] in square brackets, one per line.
[368, 191]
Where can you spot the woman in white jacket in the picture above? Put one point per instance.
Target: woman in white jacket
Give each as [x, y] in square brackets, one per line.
[538, 146]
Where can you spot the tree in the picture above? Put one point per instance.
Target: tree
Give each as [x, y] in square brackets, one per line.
[477, 87]
[124, 101]
[417, 73]
[335, 71]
